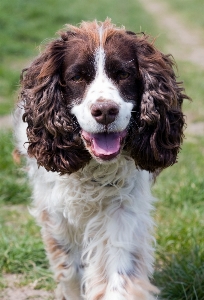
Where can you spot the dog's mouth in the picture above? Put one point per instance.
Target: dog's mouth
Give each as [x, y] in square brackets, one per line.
[104, 145]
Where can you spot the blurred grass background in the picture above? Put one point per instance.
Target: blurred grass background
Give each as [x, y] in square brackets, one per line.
[179, 214]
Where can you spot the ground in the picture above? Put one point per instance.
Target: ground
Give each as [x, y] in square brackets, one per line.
[14, 291]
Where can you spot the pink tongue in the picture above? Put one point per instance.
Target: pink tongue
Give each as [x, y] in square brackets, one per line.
[105, 143]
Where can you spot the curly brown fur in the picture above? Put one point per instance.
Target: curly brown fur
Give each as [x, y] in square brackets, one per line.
[155, 139]
[52, 131]
[156, 128]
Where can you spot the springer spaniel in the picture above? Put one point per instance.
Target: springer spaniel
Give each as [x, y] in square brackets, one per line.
[101, 111]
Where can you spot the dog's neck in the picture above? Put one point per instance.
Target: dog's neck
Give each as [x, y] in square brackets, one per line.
[107, 174]
[96, 186]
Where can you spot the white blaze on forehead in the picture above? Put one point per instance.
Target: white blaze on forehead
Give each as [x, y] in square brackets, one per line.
[102, 87]
[100, 54]
[101, 82]
[100, 61]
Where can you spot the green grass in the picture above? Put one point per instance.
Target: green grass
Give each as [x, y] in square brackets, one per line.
[19, 255]
[22, 252]
[21, 248]
[180, 215]
[13, 188]
[179, 211]
[193, 81]
[183, 275]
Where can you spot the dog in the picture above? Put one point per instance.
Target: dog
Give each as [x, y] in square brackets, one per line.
[99, 116]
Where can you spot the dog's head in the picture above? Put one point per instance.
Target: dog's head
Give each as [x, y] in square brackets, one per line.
[97, 90]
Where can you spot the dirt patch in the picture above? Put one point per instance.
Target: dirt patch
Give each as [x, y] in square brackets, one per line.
[196, 129]
[14, 292]
[186, 43]
[6, 122]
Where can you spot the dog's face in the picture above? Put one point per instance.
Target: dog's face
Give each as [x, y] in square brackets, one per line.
[98, 90]
[103, 86]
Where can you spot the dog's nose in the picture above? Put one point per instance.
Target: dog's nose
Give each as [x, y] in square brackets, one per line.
[105, 112]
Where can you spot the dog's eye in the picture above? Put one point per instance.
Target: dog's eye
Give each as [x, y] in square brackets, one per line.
[78, 78]
[123, 75]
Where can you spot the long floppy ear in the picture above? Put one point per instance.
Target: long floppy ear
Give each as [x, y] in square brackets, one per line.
[53, 134]
[158, 133]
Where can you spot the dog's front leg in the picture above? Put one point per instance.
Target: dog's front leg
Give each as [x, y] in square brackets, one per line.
[118, 256]
[62, 255]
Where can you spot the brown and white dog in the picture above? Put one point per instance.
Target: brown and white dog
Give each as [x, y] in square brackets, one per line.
[101, 109]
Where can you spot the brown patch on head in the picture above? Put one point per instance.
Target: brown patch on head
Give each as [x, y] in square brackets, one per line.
[121, 65]
[95, 33]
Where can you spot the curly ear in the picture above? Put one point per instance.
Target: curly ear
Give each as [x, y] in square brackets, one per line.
[156, 140]
[53, 134]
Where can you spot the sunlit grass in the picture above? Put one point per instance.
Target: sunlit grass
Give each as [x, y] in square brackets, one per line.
[21, 248]
[13, 188]
[180, 219]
